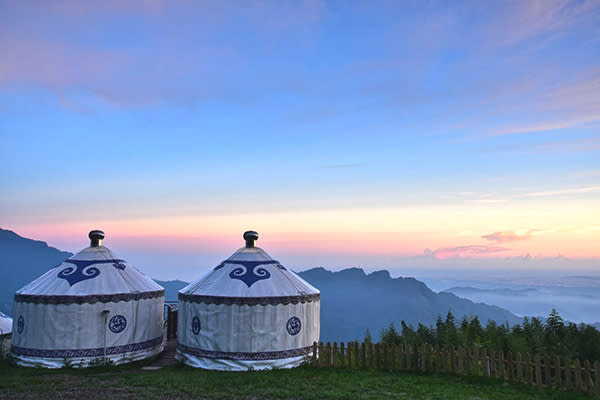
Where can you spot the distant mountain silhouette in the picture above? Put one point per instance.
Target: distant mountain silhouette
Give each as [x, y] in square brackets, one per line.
[21, 261]
[468, 290]
[171, 289]
[351, 300]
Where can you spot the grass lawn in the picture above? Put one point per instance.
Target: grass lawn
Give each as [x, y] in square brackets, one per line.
[181, 382]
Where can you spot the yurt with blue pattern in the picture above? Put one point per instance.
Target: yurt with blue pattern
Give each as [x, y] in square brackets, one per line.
[93, 308]
[249, 312]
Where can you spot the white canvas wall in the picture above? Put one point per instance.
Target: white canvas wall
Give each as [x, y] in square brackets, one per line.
[240, 337]
[52, 335]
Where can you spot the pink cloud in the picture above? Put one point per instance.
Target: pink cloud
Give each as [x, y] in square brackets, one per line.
[56, 66]
[517, 21]
[508, 236]
[464, 251]
[192, 56]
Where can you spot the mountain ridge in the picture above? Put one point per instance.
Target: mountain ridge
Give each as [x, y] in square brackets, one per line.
[17, 251]
[351, 299]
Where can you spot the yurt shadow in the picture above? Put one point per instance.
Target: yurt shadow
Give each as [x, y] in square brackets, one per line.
[93, 308]
[249, 312]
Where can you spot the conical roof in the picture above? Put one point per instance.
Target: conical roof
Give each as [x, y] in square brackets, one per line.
[91, 275]
[249, 273]
[5, 324]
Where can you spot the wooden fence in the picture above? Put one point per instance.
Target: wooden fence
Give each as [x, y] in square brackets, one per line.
[534, 371]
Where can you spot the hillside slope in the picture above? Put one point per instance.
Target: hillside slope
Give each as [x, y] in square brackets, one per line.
[21, 261]
[352, 301]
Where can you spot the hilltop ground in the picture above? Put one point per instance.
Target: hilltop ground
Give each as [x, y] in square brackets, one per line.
[181, 382]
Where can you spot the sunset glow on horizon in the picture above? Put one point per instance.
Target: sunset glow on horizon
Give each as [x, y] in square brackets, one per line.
[345, 134]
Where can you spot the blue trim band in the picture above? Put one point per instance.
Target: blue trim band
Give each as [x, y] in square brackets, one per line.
[241, 356]
[77, 353]
[250, 301]
[89, 299]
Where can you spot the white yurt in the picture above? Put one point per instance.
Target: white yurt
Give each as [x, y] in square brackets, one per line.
[249, 312]
[91, 308]
[5, 324]
[5, 330]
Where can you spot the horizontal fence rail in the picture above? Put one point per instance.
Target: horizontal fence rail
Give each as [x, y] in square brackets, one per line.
[537, 371]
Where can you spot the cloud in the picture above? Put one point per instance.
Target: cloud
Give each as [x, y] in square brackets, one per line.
[464, 251]
[561, 105]
[508, 236]
[182, 53]
[561, 192]
[517, 21]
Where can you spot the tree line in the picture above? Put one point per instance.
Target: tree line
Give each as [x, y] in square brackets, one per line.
[551, 337]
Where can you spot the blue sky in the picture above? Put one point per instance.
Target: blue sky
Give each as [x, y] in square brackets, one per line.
[167, 119]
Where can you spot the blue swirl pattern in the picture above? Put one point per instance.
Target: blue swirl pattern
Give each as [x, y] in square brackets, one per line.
[82, 270]
[248, 271]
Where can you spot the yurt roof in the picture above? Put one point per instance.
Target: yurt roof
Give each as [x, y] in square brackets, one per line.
[93, 274]
[5, 324]
[249, 273]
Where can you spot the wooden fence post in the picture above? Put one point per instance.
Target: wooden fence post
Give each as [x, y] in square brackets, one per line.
[385, 356]
[519, 368]
[568, 374]
[438, 358]
[588, 377]
[321, 355]
[401, 357]
[328, 352]
[335, 355]
[578, 382]
[486, 365]
[342, 354]
[511, 367]
[476, 360]
[597, 377]
[371, 355]
[493, 370]
[349, 351]
[444, 359]
[528, 369]
[557, 372]
[363, 355]
[377, 357]
[417, 357]
[538, 371]
[314, 355]
[393, 358]
[452, 359]
[548, 372]
[461, 365]
[501, 365]
[356, 352]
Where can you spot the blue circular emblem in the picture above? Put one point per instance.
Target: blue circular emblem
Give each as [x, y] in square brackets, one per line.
[196, 325]
[117, 324]
[20, 324]
[293, 326]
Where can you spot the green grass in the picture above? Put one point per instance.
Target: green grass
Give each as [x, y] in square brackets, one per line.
[181, 382]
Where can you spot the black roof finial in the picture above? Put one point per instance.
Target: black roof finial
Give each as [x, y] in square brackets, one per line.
[96, 237]
[250, 237]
